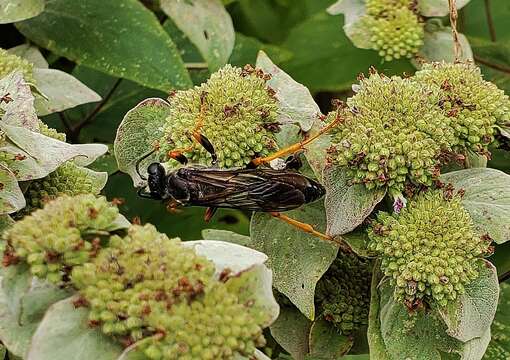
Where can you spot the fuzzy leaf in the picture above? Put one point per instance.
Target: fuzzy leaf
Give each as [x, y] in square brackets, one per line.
[394, 334]
[225, 235]
[295, 101]
[134, 46]
[437, 8]
[17, 10]
[326, 342]
[486, 198]
[64, 334]
[26, 168]
[291, 330]
[438, 46]
[20, 111]
[473, 312]
[140, 127]
[50, 153]
[17, 328]
[347, 205]
[30, 53]
[98, 178]
[16, 281]
[62, 90]
[207, 24]
[353, 10]
[11, 197]
[499, 347]
[297, 259]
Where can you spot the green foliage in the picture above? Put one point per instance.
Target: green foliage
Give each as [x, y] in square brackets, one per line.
[131, 74]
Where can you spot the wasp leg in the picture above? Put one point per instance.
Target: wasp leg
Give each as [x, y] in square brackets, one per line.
[296, 147]
[197, 136]
[302, 226]
[209, 213]
[172, 207]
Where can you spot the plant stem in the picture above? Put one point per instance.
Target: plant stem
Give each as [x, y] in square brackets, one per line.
[490, 22]
[196, 65]
[457, 49]
[498, 67]
[504, 277]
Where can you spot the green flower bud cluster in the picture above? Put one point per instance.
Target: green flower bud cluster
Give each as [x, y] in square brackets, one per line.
[393, 132]
[474, 106]
[68, 179]
[429, 250]
[50, 132]
[146, 286]
[61, 235]
[343, 293]
[239, 118]
[10, 63]
[395, 30]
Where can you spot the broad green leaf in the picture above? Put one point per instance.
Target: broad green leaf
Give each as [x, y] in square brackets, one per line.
[347, 205]
[105, 163]
[395, 334]
[11, 197]
[355, 30]
[438, 45]
[438, 8]
[26, 167]
[134, 46]
[207, 24]
[297, 259]
[50, 153]
[471, 315]
[19, 324]
[30, 53]
[247, 48]
[499, 347]
[140, 128]
[20, 111]
[358, 242]
[291, 330]
[97, 178]
[296, 104]
[16, 281]
[123, 96]
[474, 19]
[62, 91]
[326, 60]
[486, 198]
[64, 334]
[326, 343]
[225, 235]
[17, 10]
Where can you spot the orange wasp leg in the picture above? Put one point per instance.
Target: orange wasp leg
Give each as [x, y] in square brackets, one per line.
[301, 226]
[196, 135]
[297, 146]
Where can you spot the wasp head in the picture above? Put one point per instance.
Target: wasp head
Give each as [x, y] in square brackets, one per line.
[156, 180]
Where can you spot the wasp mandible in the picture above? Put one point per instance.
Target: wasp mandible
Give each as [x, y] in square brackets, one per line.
[255, 188]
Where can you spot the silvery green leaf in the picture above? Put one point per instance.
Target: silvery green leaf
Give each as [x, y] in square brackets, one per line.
[17, 10]
[353, 11]
[30, 53]
[437, 8]
[19, 111]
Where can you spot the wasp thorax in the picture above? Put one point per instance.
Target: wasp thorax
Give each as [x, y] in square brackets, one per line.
[147, 285]
[237, 111]
[392, 134]
[395, 29]
[474, 106]
[343, 293]
[429, 250]
[10, 63]
[60, 236]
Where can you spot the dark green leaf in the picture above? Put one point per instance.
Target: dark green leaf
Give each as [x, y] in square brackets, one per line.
[499, 347]
[207, 24]
[11, 197]
[297, 259]
[17, 10]
[131, 44]
[291, 330]
[326, 343]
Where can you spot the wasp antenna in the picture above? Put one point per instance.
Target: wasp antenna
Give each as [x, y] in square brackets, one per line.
[137, 165]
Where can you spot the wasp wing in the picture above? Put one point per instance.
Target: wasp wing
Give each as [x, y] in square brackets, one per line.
[248, 189]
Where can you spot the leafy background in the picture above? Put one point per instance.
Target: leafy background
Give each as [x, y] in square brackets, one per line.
[141, 52]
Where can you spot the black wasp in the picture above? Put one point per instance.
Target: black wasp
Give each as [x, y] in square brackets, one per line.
[255, 188]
